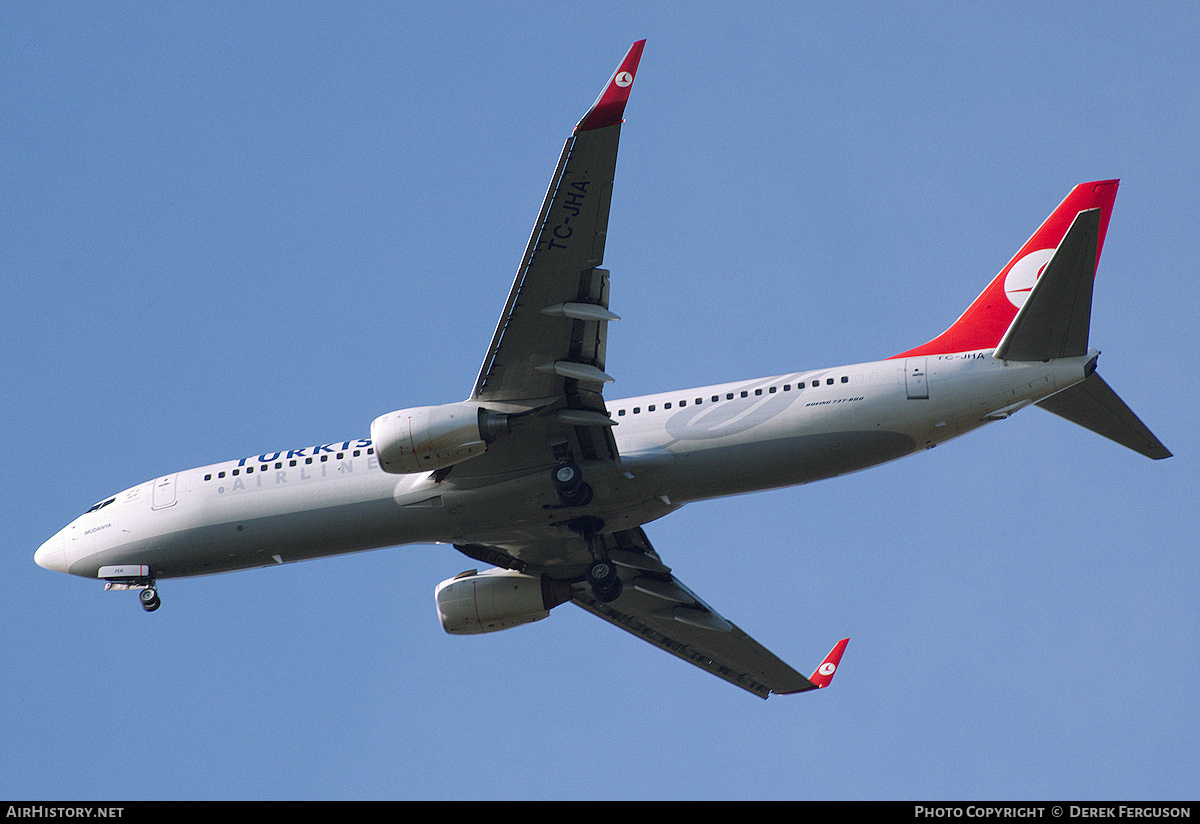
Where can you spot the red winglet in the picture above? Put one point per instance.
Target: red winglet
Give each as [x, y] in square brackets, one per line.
[610, 105]
[824, 673]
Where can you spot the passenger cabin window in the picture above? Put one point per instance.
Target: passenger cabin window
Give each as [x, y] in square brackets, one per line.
[745, 393]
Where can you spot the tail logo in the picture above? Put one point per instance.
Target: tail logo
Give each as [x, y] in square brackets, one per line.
[623, 79]
[1023, 274]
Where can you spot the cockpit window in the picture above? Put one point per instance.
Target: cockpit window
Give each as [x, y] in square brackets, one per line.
[101, 505]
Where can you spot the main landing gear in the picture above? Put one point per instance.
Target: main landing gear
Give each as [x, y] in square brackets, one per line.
[568, 482]
[606, 584]
[574, 491]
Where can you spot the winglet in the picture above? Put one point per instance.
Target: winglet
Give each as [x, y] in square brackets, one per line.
[610, 105]
[823, 674]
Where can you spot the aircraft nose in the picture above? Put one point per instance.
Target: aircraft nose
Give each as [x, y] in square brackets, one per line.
[52, 554]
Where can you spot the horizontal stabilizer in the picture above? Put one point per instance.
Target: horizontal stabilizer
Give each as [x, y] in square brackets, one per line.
[1094, 405]
[1054, 320]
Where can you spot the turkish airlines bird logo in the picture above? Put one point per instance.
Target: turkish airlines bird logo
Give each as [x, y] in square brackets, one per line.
[1020, 280]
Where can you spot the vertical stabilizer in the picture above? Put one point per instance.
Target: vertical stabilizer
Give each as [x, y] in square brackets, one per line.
[986, 320]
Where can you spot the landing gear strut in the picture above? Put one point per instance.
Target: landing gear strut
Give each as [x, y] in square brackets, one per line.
[132, 576]
[574, 491]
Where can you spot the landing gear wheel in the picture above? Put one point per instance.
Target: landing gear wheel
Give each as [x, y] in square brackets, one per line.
[606, 584]
[602, 574]
[149, 598]
[568, 482]
[567, 476]
[609, 595]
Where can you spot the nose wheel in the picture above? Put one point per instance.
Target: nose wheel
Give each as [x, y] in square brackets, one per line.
[149, 599]
[132, 576]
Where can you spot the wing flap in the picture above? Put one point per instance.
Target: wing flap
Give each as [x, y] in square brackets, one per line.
[701, 638]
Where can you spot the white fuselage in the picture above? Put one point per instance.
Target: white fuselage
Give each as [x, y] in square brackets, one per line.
[675, 447]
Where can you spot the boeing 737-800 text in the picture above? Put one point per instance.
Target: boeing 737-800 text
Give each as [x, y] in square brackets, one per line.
[540, 477]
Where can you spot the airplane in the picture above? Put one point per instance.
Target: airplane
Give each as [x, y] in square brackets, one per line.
[550, 485]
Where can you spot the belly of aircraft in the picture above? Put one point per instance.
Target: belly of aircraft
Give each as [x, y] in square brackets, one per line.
[768, 464]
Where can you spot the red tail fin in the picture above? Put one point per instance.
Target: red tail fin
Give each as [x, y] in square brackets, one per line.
[988, 318]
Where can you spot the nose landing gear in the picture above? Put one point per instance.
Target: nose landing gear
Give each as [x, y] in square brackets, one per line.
[132, 576]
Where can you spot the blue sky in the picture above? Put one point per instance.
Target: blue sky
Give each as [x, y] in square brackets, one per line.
[226, 229]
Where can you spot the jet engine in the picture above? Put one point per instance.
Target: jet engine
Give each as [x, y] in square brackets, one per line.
[426, 438]
[473, 602]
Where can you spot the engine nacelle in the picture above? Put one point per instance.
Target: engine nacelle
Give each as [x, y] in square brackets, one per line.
[472, 602]
[426, 438]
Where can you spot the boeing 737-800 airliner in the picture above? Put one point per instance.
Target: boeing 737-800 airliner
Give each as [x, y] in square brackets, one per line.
[540, 477]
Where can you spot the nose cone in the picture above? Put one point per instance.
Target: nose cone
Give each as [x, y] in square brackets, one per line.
[52, 554]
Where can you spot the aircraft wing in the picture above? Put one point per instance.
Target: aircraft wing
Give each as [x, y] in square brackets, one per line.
[546, 359]
[656, 607]
[550, 340]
